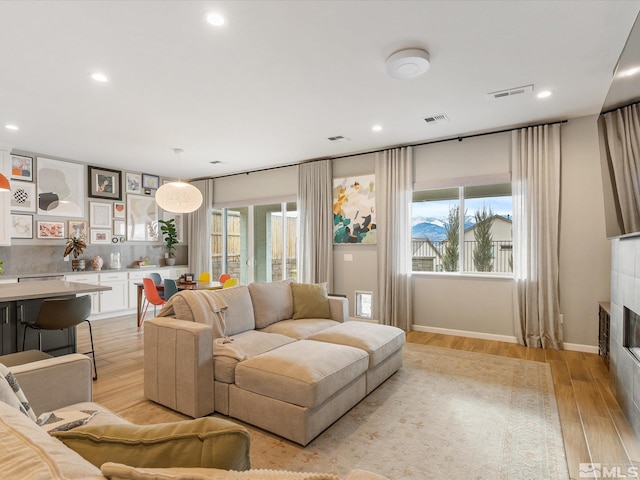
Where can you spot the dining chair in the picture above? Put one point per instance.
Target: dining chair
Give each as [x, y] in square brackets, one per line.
[170, 288]
[151, 292]
[205, 277]
[230, 282]
[223, 277]
[61, 314]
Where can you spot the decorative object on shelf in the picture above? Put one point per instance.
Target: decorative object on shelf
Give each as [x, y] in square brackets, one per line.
[76, 245]
[105, 183]
[97, 262]
[168, 228]
[178, 197]
[114, 261]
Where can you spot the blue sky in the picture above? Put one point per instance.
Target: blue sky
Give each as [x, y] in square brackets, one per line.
[440, 209]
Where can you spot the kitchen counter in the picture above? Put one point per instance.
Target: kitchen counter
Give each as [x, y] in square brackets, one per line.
[45, 289]
[36, 276]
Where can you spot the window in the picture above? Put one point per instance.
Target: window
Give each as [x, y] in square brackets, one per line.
[463, 229]
[363, 304]
[253, 243]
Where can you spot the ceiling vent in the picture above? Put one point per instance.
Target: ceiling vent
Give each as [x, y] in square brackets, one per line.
[338, 138]
[510, 92]
[435, 119]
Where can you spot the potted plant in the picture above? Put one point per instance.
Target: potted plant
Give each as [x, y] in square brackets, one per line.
[76, 245]
[168, 228]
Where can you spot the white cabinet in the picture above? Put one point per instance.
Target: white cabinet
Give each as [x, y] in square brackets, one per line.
[117, 298]
[92, 279]
[5, 199]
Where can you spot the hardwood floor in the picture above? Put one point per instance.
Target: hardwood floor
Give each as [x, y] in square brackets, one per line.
[594, 428]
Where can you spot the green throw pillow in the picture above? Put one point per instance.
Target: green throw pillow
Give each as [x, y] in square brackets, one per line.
[204, 442]
[310, 300]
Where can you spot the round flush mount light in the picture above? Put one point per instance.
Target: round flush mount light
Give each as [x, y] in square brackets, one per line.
[544, 94]
[215, 19]
[409, 63]
[99, 77]
[10, 126]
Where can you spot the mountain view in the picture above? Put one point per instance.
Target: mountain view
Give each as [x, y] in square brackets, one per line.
[433, 228]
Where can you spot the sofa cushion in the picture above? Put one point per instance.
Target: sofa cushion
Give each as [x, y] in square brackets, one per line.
[272, 302]
[310, 300]
[239, 314]
[304, 373]
[29, 452]
[204, 442]
[300, 329]
[252, 343]
[379, 341]
[11, 393]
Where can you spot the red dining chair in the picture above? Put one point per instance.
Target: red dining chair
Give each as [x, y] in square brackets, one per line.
[153, 297]
[223, 277]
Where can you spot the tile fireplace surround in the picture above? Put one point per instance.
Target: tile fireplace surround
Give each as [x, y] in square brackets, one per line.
[625, 292]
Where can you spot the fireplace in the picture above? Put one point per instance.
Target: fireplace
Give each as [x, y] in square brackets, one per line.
[631, 323]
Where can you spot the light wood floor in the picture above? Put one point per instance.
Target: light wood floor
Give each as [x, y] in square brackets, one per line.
[594, 428]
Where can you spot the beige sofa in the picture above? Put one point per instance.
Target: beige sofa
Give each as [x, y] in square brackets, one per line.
[280, 356]
[108, 447]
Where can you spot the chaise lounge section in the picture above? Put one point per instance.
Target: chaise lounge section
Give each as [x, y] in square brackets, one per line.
[281, 356]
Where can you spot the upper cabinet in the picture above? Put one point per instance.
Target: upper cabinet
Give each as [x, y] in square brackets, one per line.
[5, 199]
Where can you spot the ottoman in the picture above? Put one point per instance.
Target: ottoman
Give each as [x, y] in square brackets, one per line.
[299, 389]
[383, 344]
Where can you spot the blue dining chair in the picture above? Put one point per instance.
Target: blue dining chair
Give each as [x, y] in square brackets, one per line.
[170, 288]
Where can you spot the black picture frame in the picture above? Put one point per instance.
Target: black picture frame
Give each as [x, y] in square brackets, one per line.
[105, 183]
[150, 181]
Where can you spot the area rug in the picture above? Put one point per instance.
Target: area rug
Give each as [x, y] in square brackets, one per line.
[444, 414]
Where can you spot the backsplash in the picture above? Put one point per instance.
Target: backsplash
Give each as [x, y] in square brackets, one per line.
[43, 259]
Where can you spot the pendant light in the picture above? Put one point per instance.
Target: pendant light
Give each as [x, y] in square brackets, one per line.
[4, 184]
[178, 197]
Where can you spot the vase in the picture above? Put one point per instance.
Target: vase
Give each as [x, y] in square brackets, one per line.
[97, 262]
[170, 261]
[78, 265]
[114, 262]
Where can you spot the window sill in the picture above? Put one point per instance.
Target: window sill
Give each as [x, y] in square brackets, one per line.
[470, 275]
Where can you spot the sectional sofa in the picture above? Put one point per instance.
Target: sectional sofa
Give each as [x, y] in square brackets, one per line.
[281, 356]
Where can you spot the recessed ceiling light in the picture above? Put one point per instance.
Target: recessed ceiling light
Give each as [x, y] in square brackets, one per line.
[99, 77]
[215, 19]
[544, 94]
[377, 128]
[11, 127]
[629, 72]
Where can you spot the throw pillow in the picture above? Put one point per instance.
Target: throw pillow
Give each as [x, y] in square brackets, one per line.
[204, 442]
[310, 300]
[12, 394]
[66, 420]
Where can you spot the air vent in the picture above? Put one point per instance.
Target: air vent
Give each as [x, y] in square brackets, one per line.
[338, 138]
[510, 92]
[439, 118]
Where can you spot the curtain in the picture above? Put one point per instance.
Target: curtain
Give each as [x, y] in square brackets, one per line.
[200, 230]
[536, 206]
[394, 172]
[315, 240]
[621, 131]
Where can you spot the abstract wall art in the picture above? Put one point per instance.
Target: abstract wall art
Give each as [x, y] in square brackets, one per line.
[354, 218]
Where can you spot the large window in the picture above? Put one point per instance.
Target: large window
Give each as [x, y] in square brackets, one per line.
[255, 243]
[462, 229]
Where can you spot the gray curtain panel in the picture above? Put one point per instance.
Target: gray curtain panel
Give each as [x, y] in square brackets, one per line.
[315, 241]
[393, 187]
[536, 207]
[200, 230]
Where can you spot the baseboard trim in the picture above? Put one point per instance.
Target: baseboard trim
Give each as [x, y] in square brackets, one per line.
[578, 347]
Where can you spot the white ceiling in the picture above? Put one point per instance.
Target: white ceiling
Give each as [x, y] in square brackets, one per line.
[280, 77]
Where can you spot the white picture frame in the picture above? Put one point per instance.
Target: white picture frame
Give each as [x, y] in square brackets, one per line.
[133, 182]
[100, 235]
[22, 168]
[142, 219]
[100, 214]
[119, 228]
[61, 188]
[119, 210]
[179, 221]
[21, 226]
[50, 230]
[23, 196]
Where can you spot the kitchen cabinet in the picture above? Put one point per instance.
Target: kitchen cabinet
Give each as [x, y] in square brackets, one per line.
[91, 279]
[117, 298]
[7, 328]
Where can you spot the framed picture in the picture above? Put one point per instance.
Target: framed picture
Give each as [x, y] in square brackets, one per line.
[178, 217]
[23, 196]
[50, 229]
[134, 182]
[100, 214]
[119, 210]
[78, 229]
[60, 188]
[354, 214]
[150, 181]
[119, 227]
[142, 218]
[22, 168]
[21, 226]
[99, 235]
[105, 183]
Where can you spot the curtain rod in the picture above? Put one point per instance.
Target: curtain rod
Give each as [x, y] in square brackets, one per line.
[452, 139]
[621, 106]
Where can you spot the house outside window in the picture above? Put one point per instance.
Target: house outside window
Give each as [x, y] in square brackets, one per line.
[463, 229]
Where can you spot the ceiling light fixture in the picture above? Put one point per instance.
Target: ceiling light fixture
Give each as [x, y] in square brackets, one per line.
[409, 63]
[629, 72]
[99, 77]
[4, 184]
[215, 19]
[544, 94]
[178, 197]
[11, 127]
[377, 128]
